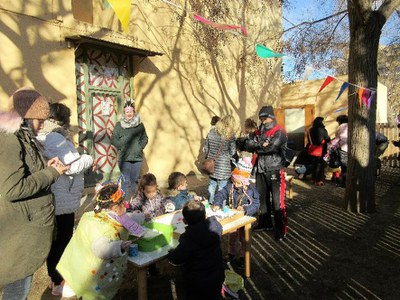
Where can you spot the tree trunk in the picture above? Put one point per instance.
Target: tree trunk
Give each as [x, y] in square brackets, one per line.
[365, 30]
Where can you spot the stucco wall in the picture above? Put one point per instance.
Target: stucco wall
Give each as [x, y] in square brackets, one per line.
[201, 72]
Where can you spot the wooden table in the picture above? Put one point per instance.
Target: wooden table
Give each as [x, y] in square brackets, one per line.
[144, 259]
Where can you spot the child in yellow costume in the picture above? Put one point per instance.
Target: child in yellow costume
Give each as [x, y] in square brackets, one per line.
[94, 262]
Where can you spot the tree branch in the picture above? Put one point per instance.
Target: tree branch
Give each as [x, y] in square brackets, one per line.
[388, 7]
[315, 22]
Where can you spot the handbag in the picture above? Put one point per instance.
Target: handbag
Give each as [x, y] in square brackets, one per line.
[208, 165]
[315, 150]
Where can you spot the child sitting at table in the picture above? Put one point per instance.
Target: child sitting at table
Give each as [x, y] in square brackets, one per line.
[241, 195]
[149, 200]
[94, 262]
[152, 203]
[178, 191]
[199, 252]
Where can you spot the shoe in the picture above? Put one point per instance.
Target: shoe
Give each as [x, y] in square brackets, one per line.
[56, 290]
[229, 258]
[240, 263]
[319, 183]
[261, 227]
[67, 292]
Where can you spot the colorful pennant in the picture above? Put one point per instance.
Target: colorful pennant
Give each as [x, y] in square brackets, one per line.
[220, 26]
[344, 86]
[327, 81]
[122, 9]
[265, 52]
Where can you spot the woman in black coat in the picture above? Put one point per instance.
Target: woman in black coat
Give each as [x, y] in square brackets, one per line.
[318, 139]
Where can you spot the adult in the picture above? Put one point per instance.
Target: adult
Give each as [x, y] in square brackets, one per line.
[130, 139]
[270, 173]
[340, 143]
[68, 189]
[220, 145]
[318, 140]
[26, 202]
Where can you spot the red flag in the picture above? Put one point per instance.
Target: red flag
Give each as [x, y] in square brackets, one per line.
[327, 81]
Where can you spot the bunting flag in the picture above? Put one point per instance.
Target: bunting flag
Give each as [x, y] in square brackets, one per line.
[220, 26]
[360, 95]
[370, 99]
[327, 81]
[344, 86]
[265, 52]
[122, 9]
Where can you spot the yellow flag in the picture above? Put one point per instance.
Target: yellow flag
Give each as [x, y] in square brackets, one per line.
[122, 9]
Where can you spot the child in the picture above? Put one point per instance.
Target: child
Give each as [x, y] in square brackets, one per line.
[177, 190]
[149, 199]
[68, 189]
[94, 262]
[199, 252]
[241, 195]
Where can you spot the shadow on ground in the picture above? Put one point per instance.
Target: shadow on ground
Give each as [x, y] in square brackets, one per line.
[328, 254]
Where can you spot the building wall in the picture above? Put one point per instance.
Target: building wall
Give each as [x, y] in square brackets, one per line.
[201, 71]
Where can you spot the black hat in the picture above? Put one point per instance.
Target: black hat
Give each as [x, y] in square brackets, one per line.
[266, 112]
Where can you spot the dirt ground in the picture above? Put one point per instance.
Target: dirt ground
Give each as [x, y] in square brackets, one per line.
[328, 253]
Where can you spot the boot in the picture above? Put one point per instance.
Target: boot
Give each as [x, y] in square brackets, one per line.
[279, 227]
[263, 223]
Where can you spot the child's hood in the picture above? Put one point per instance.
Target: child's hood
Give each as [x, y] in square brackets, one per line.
[205, 233]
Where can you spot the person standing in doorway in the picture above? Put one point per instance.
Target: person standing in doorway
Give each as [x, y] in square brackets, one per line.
[130, 139]
[220, 145]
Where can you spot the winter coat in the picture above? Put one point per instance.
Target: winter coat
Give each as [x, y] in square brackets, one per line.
[69, 187]
[179, 197]
[26, 202]
[340, 140]
[129, 139]
[247, 197]
[150, 208]
[319, 136]
[199, 252]
[270, 157]
[223, 162]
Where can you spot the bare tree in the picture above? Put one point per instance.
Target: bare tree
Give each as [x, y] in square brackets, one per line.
[328, 37]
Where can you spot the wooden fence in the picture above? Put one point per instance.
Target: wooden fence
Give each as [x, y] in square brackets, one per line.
[391, 156]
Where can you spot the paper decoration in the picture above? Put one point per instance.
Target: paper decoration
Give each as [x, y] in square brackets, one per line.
[327, 81]
[370, 99]
[365, 97]
[220, 26]
[265, 52]
[307, 72]
[122, 9]
[344, 86]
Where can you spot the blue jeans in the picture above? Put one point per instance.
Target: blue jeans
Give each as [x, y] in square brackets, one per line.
[213, 186]
[130, 170]
[18, 290]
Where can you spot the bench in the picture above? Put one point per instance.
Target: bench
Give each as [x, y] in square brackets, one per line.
[289, 180]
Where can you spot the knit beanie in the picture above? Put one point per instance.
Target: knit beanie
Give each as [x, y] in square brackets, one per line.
[266, 112]
[30, 104]
[242, 171]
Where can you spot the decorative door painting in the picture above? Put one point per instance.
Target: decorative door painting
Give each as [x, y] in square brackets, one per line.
[103, 84]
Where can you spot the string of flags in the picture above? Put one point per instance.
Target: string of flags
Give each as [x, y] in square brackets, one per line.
[122, 9]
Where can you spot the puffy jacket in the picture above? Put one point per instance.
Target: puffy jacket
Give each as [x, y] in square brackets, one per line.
[26, 202]
[270, 157]
[223, 162]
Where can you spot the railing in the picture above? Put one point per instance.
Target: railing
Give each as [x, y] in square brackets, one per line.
[391, 156]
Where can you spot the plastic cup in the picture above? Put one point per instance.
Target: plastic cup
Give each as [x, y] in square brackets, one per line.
[133, 250]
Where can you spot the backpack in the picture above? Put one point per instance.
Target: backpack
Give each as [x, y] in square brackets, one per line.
[287, 153]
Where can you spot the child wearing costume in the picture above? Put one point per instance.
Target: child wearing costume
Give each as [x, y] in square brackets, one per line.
[94, 262]
[178, 191]
[241, 195]
[199, 253]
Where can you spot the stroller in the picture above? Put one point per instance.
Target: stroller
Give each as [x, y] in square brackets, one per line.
[302, 164]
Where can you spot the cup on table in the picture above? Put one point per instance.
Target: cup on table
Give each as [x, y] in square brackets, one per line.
[133, 250]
